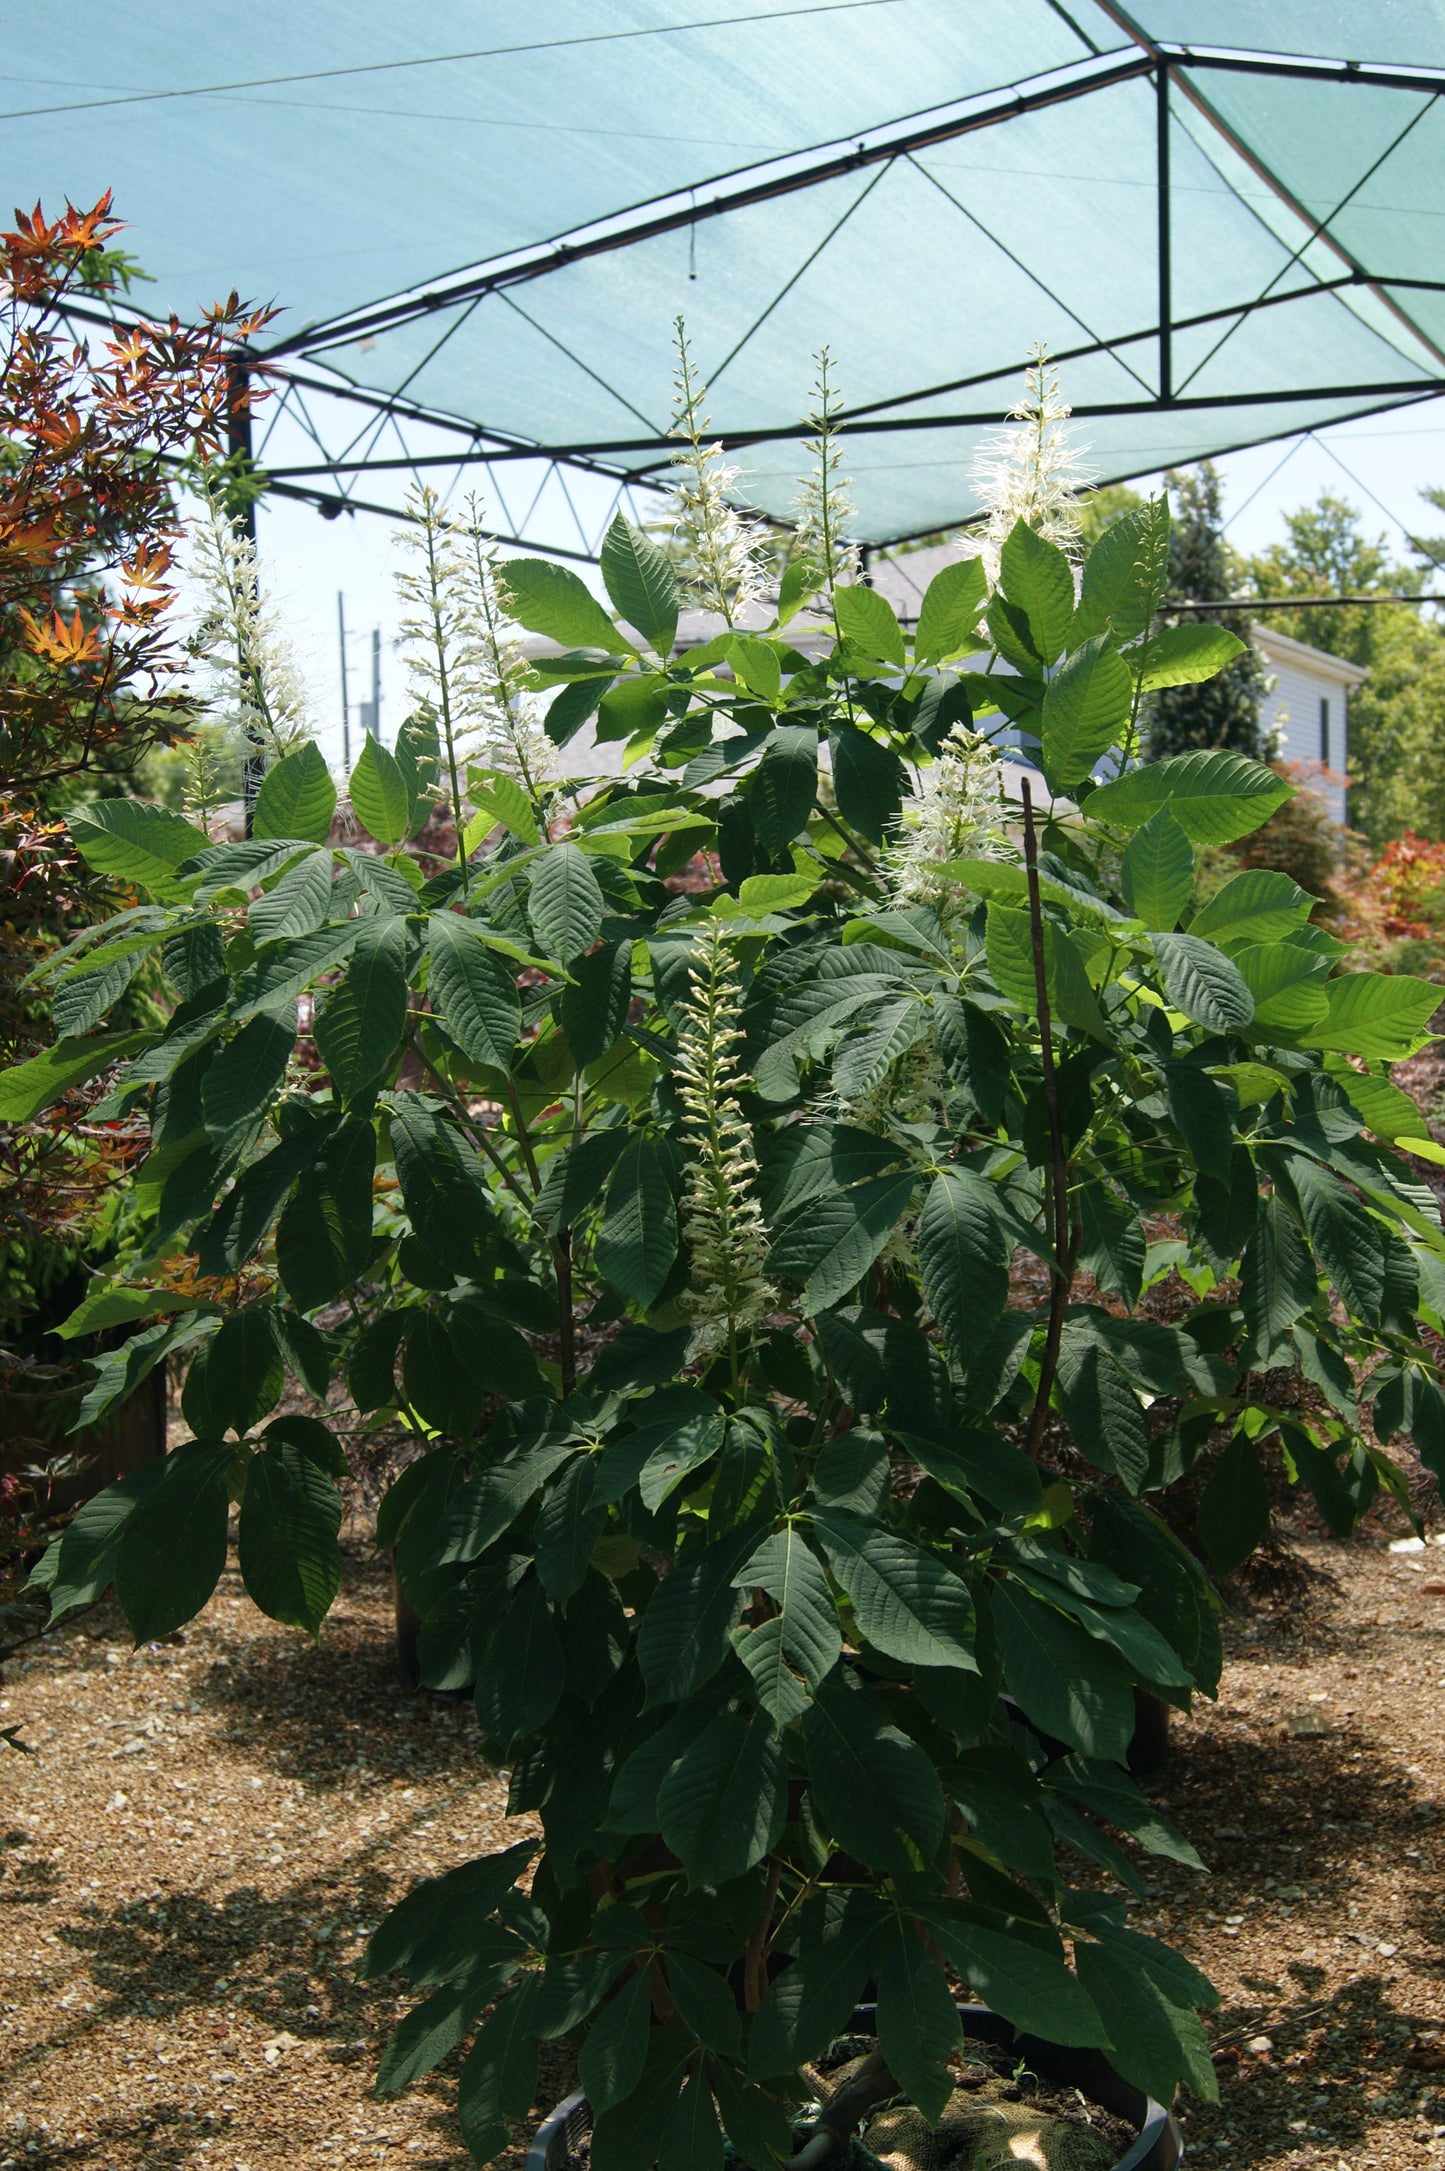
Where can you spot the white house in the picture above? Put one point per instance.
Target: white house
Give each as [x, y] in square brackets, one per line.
[1305, 716]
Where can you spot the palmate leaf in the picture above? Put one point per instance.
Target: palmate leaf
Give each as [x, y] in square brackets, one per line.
[1037, 579]
[136, 842]
[683, 1637]
[248, 1071]
[637, 1241]
[1184, 655]
[1258, 905]
[963, 1257]
[1030, 1986]
[380, 794]
[1062, 1679]
[173, 1547]
[359, 1025]
[615, 2051]
[289, 1556]
[473, 989]
[867, 623]
[692, 2139]
[918, 2024]
[874, 1790]
[546, 598]
[950, 611]
[785, 785]
[1234, 1506]
[1346, 1236]
[565, 904]
[1154, 2044]
[1216, 797]
[28, 1087]
[521, 1682]
[298, 905]
[297, 797]
[641, 583]
[802, 1641]
[1158, 871]
[1201, 981]
[811, 2001]
[905, 1601]
[1086, 710]
[724, 1803]
[1278, 1281]
[831, 1247]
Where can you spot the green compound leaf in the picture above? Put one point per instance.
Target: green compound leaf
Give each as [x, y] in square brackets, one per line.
[297, 797]
[724, 1803]
[792, 1652]
[473, 989]
[905, 1601]
[359, 1024]
[546, 598]
[641, 583]
[963, 1256]
[379, 793]
[565, 904]
[1201, 981]
[1216, 797]
[637, 1241]
[1038, 579]
[1085, 712]
[875, 1791]
[289, 1555]
[173, 1546]
[1158, 872]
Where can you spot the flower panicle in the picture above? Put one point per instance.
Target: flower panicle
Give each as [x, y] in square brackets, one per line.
[257, 691]
[822, 509]
[959, 814]
[721, 553]
[1034, 471]
[465, 668]
[723, 1224]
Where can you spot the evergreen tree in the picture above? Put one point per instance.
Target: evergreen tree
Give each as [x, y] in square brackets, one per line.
[1224, 711]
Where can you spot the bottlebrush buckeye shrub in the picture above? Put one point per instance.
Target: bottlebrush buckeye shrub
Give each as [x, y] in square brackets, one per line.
[679, 1225]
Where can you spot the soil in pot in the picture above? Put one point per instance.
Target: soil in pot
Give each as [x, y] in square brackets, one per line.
[1001, 2114]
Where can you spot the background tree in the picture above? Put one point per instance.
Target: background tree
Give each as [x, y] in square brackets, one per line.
[1397, 717]
[1222, 712]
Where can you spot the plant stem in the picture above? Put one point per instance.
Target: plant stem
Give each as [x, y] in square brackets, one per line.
[755, 1974]
[561, 1248]
[1063, 1274]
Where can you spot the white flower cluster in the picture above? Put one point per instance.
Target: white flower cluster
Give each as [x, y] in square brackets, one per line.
[255, 700]
[959, 814]
[464, 666]
[723, 1225]
[720, 553]
[1031, 473]
[822, 509]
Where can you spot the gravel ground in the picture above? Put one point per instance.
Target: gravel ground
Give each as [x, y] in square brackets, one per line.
[209, 1828]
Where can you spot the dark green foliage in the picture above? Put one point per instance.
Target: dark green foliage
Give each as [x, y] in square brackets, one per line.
[740, 1595]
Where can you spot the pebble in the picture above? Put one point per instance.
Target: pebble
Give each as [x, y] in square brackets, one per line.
[1259, 2044]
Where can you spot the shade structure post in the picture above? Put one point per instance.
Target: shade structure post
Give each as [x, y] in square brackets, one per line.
[242, 509]
[1166, 278]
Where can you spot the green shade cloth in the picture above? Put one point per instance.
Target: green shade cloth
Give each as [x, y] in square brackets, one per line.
[976, 179]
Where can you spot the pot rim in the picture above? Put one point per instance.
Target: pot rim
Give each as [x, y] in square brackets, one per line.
[1158, 2146]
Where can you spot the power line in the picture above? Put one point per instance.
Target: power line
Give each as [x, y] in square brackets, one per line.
[442, 60]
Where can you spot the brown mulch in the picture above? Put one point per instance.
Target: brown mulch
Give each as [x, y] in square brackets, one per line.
[208, 1829]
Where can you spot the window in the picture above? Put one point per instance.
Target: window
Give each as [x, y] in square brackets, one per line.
[1325, 730]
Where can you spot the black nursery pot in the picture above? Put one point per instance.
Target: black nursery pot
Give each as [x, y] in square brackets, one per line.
[1158, 2146]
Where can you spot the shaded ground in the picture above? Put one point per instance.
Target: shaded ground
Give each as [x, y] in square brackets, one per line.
[208, 1829]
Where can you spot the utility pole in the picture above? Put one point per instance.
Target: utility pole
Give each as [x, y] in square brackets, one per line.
[345, 695]
[376, 681]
